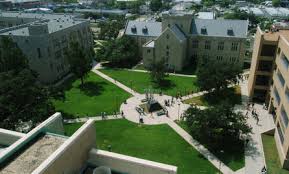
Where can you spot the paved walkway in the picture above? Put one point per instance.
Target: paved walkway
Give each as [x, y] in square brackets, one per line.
[200, 148]
[173, 74]
[117, 83]
[96, 118]
[254, 155]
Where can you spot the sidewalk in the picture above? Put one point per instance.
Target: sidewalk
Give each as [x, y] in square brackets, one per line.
[96, 118]
[254, 155]
[200, 148]
[122, 86]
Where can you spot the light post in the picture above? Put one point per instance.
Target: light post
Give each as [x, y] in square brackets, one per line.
[179, 110]
[131, 85]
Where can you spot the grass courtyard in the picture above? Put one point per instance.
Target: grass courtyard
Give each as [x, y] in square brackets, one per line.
[157, 143]
[139, 81]
[233, 95]
[232, 157]
[271, 156]
[97, 95]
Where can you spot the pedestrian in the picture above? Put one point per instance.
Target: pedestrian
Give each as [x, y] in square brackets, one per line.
[257, 118]
[122, 114]
[104, 115]
[247, 141]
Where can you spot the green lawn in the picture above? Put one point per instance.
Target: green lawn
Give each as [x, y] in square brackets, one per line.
[157, 143]
[271, 155]
[233, 158]
[139, 81]
[97, 95]
[233, 95]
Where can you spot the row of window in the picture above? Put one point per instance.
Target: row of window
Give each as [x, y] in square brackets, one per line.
[220, 46]
[206, 57]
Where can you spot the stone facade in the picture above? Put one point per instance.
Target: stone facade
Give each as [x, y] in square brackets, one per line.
[182, 41]
[43, 38]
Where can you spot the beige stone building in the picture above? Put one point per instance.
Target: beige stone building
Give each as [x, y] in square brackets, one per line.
[269, 82]
[181, 40]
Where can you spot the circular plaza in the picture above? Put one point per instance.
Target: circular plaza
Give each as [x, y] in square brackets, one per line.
[153, 108]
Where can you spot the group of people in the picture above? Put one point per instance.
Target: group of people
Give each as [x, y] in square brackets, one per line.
[255, 115]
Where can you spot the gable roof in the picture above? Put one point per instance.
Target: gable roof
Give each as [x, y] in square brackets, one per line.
[136, 28]
[220, 27]
[179, 34]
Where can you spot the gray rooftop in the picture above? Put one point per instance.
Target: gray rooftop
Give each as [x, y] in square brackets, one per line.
[55, 22]
[238, 28]
[136, 28]
[179, 34]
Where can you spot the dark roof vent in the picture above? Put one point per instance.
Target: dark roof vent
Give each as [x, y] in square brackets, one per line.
[145, 29]
[133, 29]
[230, 32]
[204, 30]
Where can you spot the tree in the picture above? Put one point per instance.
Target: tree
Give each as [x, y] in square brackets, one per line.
[121, 52]
[22, 97]
[156, 5]
[217, 126]
[276, 3]
[217, 76]
[158, 71]
[80, 61]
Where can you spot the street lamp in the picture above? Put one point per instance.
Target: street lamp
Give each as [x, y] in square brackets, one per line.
[179, 111]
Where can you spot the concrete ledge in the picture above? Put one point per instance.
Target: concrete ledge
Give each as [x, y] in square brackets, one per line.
[72, 154]
[8, 137]
[27, 137]
[128, 164]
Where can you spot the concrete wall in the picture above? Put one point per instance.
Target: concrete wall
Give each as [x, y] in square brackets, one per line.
[127, 164]
[28, 137]
[71, 156]
[8, 137]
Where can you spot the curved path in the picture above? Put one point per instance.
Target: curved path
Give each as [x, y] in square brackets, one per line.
[174, 111]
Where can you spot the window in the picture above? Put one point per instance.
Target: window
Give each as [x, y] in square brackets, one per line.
[219, 58]
[280, 78]
[208, 45]
[287, 94]
[268, 50]
[280, 133]
[284, 117]
[234, 46]
[168, 47]
[195, 44]
[233, 59]
[168, 53]
[276, 95]
[39, 52]
[221, 46]
[148, 51]
[285, 61]
[57, 54]
[168, 36]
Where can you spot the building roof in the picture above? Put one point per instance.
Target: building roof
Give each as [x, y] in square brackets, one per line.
[221, 28]
[142, 28]
[31, 157]
[206, 15]
[55, 22]
[179, 34]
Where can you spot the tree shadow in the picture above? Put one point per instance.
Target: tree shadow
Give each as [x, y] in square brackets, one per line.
[92, 88]
[164, 84]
